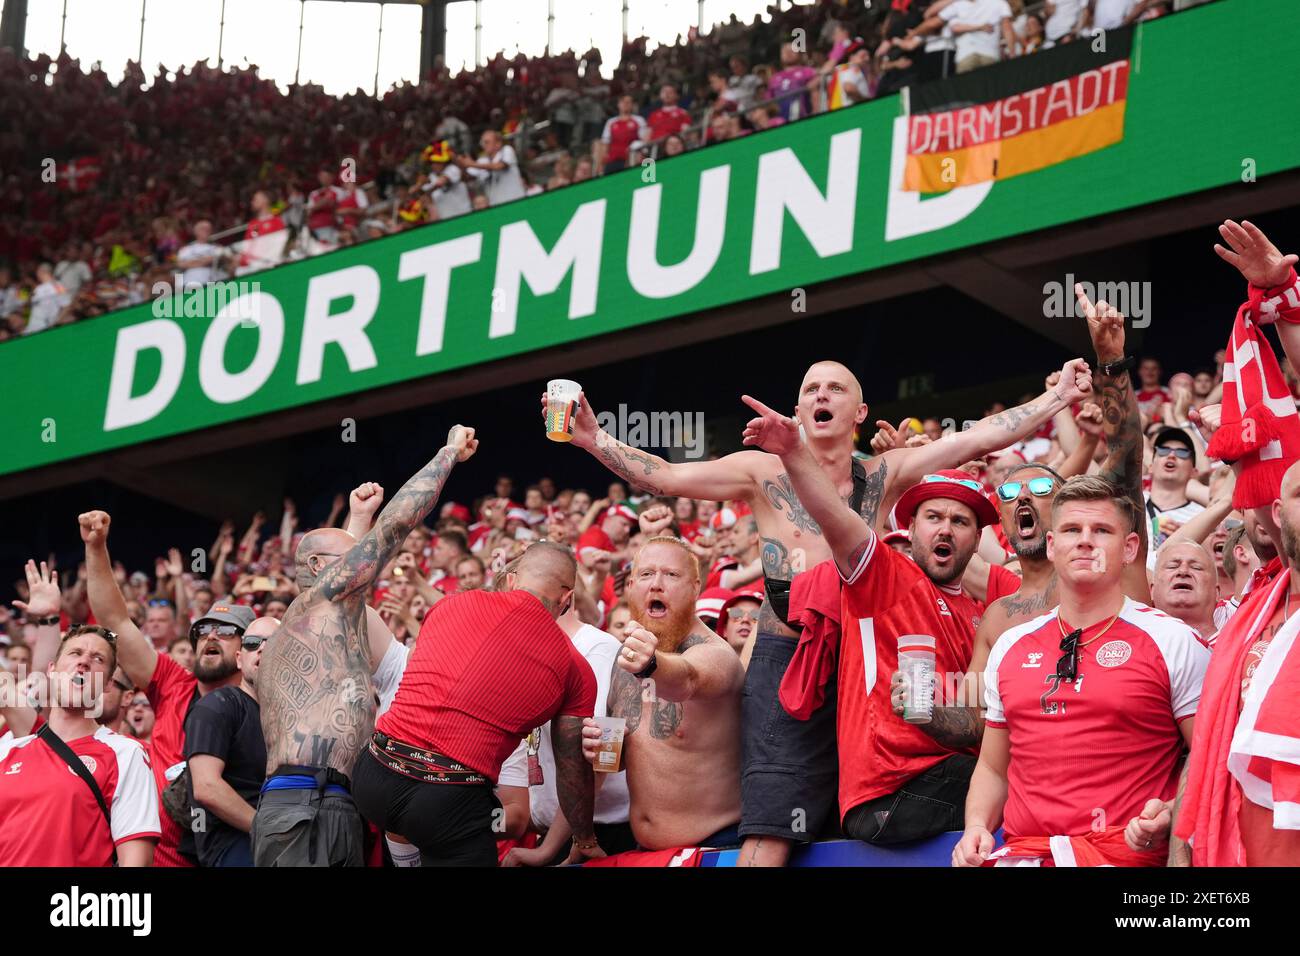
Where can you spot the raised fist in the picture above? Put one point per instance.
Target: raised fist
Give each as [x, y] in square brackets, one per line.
[366, 498]
[462, 441]
[638, 648]
[94, 526]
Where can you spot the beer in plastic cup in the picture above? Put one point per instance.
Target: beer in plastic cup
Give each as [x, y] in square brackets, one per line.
[609, 752]
[561, 408]
[916, 663]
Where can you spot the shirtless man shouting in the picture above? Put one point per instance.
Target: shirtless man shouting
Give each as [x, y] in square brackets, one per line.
[677, 684]
[314, 685]
[790, 767]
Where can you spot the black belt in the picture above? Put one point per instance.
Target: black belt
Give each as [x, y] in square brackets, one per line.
[426, 766]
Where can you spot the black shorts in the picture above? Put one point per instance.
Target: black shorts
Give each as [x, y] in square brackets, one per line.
[451, 824]
[931, 803]
[790, 777]
[306, 828]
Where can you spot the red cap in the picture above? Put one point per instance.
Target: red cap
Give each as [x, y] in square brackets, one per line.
[711, 601]
[953, 484]
[623, 511]
[594, 539]
[456, 510]
[724, 518]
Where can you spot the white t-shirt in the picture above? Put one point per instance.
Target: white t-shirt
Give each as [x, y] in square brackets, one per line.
[47, 300]
[72, 275]
[978, 13]
[599, 648]
[1182, 514]
[452, 199]
[1066, 15]
[388, 675]
[1110, 14]
[501, 185]
[198, 275]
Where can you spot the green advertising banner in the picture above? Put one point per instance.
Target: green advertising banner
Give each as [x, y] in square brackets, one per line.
[816, 200]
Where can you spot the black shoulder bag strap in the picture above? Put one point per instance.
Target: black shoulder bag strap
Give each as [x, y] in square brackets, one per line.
[60, 747]
[859, 485]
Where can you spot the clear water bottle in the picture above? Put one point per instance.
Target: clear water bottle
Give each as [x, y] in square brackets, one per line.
[916, 663]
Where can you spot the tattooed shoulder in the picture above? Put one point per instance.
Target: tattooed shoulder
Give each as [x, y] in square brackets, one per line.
[690, 641]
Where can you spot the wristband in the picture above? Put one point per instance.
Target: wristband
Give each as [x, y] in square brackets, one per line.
[587, 845]
[1120, 365]
[47, 621]
[649, 669]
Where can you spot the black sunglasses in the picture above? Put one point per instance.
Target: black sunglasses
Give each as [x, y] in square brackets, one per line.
[1067, 668]
[220, 630]
[252, 642]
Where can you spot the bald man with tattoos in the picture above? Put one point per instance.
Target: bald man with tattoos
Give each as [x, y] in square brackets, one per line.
[790, 767]
[314, 685]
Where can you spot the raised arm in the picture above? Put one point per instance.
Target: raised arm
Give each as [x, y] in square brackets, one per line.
[910, 465]
[43, 601]
[729, 477]
[135, 654]
[1263, 266]
[357, 569]
[1121, 422]
[843, 528]
[362, 505]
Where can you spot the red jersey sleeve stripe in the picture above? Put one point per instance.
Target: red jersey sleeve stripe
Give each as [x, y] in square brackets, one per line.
[867, 552]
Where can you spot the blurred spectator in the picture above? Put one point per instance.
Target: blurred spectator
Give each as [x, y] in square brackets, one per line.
[200, 259]
[620, 133]
[48, 298]
[791, 87]
[497, 168]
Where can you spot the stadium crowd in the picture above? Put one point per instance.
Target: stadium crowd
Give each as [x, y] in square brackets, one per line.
[112, 192]
[1068, 623]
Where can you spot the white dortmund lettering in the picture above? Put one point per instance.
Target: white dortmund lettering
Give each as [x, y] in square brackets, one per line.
[521, 257]
[434, 264]
[123, 408]
[347, 329]
[785, 186]
[223, 386]
[655, 281]
[905, 213]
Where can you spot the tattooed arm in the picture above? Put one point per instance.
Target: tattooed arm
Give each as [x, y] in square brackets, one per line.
[1122, 426]
[1180, 854]
[729, 477]
[357, 569]
[993, 433]
[575, 783]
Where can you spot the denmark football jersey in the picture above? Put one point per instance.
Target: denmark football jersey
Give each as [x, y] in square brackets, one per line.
[49, 817]
[888, 597]
[1096, 750]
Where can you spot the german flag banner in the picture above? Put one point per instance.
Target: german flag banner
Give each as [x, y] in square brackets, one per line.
[1020, 116]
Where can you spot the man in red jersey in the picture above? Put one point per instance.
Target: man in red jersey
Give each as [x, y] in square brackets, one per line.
[1081, 749]
[620, 133]
[668, 118]
[488, 667]
[49, 816]
[171, 689]
[896, 782]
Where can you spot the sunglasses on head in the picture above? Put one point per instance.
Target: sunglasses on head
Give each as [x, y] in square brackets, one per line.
[1183, 453]
[1040, 486]
[964, 482]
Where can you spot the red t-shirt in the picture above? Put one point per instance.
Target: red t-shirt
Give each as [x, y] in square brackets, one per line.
[668, 120]
[1149, 400]
[263, 226]
[49, 817]
[1001, 583]
[620, 133]
[1111, 740]
[325, 199]
[724, 563]
[488, 667]
[885, 598]
[171, 692]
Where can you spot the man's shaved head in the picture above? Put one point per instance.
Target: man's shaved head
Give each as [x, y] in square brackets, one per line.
[829, 369]
[263, 627]
[549, 571]
[317, 550]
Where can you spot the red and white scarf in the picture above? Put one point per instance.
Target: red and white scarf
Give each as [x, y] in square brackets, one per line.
[1259, 425]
